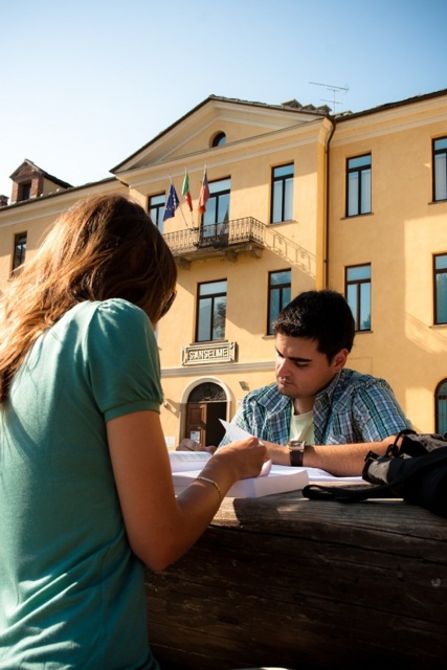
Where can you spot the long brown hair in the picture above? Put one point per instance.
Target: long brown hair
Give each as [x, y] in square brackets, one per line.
[103, 247]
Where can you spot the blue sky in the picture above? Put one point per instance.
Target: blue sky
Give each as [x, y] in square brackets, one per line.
[85, 84]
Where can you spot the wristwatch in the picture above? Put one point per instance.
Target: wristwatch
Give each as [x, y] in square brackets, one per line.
[296, 452]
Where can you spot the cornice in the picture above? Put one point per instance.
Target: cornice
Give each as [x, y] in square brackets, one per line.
[394, 120]
[53, 204]
[217, 369]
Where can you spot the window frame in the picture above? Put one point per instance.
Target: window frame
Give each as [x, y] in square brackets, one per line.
[24, 190]
[270, 288]
[21, 247]
[283, 179]
[434, 153]
[438, 397]
[358, 283]
[359, 170]
[213, 296]
[160, 209]
[437, 272]
[219, 139]
[217, 195]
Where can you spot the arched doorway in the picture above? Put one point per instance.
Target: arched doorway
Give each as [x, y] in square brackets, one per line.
[206, 404]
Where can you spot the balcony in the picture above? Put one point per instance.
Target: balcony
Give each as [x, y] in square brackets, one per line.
[228, 239]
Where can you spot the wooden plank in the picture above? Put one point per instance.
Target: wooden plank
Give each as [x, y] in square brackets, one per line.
[279, 581]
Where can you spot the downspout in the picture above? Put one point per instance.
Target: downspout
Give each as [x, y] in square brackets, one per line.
[328, 164]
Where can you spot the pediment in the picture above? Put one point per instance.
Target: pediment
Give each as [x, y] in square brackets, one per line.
[193, 133]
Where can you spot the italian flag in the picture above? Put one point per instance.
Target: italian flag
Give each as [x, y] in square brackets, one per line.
[185, 191]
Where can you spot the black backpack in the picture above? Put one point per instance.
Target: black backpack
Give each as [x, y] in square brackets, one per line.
[415, 470]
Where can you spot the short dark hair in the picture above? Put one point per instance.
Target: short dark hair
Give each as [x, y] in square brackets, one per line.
[324, 316]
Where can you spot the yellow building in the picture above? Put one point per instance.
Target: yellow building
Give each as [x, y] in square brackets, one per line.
[298, 199]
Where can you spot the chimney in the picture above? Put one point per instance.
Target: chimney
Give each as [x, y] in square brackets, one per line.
[3, 201]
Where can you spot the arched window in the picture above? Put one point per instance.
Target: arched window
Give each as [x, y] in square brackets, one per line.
[207, 392]
[441, 407]
[219, 139]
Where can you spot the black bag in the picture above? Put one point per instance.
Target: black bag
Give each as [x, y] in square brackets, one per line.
[416, 471]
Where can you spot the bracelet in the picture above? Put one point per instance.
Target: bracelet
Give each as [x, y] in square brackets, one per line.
[201, 478]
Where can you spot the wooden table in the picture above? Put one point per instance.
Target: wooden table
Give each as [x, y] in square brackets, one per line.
[284, 581]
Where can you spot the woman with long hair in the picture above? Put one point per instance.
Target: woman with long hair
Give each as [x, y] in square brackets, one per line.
[86, 494]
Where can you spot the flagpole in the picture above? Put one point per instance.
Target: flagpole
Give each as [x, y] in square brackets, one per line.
[200, 214]
[183, 215]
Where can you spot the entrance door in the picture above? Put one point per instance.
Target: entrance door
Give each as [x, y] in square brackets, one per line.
[195, 427]
[206, 405]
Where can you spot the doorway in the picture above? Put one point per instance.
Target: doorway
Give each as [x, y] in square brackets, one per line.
[207, 403]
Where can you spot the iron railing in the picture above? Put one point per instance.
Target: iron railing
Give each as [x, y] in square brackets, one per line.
[217, 235]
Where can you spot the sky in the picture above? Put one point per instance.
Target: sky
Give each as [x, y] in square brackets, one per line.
[85, 84]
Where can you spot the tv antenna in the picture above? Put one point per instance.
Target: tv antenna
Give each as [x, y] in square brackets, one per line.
[334, 89]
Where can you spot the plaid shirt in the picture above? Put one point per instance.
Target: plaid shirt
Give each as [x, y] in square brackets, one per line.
[352, 408]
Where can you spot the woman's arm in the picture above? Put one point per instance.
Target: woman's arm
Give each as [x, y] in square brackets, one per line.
[160, 527]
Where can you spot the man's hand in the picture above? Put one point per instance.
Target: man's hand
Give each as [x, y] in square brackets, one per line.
[190, 445]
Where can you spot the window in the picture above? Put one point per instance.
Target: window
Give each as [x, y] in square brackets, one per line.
[440, 169]
[282, 193]
[24, 192]
[216, 216]
[358, 185]
[279, 295]
[211, 311]
[440, 287]
[218, 205]
[358, 294]
[157, 209]
[19, 252]
[441, 407]
[219, 139]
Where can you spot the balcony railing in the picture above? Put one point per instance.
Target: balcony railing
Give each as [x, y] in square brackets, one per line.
[239, 234]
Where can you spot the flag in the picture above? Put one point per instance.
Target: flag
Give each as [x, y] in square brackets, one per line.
[204, 194]
[171, 204]
[185, 191]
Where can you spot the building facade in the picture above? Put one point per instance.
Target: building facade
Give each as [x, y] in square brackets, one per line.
[298, 199]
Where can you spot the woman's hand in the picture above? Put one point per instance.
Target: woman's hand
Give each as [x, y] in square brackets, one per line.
[240, 459]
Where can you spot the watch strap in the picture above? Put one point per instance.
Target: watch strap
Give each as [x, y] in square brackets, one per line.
[296, 452]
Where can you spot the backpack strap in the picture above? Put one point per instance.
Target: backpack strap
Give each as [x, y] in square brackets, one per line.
[348, 494]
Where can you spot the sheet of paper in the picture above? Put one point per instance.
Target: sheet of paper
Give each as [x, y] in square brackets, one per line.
[280, 480]
[317, 475]
[188, 460]
[234, 432]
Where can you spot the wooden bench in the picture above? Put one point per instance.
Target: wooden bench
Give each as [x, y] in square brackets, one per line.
[284, 581]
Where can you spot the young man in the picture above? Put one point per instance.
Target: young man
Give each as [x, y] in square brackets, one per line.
[318, 413]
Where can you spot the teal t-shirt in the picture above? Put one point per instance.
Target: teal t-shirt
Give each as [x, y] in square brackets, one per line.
[71, 590]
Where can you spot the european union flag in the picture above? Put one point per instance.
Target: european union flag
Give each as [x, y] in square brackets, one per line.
[171, 204]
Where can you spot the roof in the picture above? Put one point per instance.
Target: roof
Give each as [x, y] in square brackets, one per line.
[345, 116]
[47, 175]
[70, 189]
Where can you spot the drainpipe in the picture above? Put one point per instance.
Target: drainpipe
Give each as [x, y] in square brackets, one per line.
[326, 251]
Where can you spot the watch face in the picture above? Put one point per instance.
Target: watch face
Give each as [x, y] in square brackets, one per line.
[296, 445]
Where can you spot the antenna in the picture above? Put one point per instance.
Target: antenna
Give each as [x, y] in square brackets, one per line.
[334, 90]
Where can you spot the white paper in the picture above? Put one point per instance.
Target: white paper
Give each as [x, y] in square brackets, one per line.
[234, 432]
[188, 460]
[317, 475]
[280, 480]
